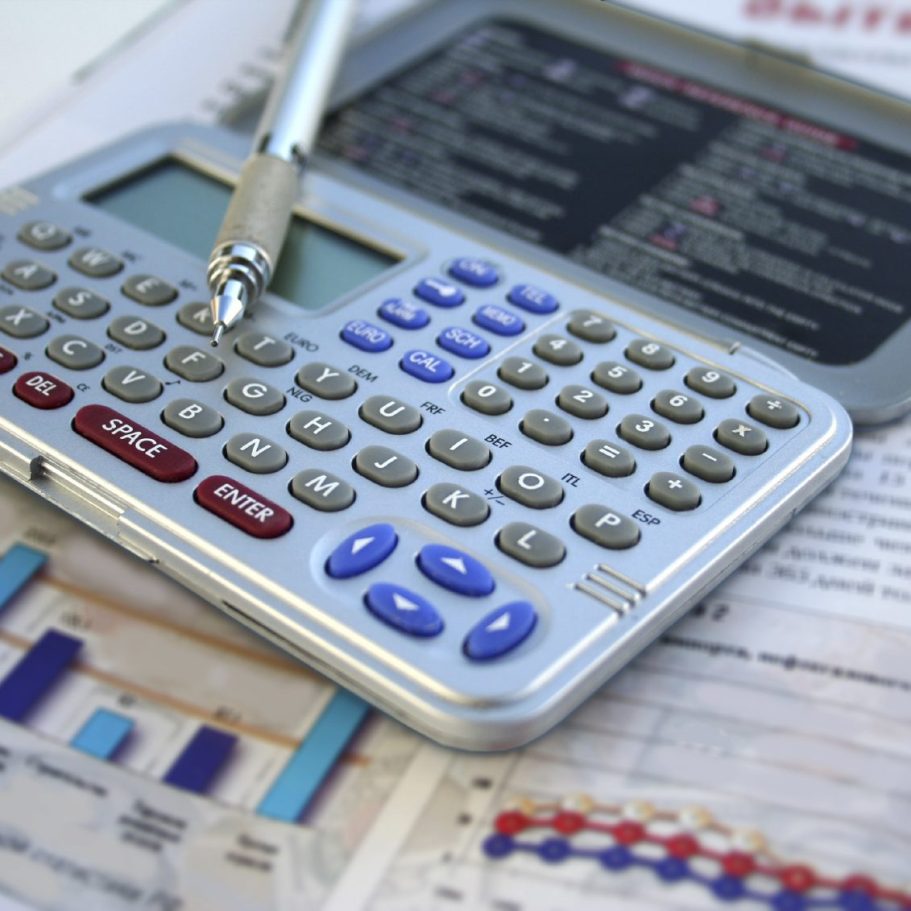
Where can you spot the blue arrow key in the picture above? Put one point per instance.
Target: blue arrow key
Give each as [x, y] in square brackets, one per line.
[403, 609]
[362, 551]
[455, 570]
[500, 631]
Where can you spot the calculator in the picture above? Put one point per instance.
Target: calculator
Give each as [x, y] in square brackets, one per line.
[458, 478]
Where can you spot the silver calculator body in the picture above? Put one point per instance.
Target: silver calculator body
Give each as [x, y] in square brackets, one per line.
[479, 544]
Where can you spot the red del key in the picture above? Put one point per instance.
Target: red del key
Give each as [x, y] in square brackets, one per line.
[136, 445]
[42, 390]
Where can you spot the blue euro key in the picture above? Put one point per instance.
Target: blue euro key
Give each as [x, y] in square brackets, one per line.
[362, 551]
[366, 336]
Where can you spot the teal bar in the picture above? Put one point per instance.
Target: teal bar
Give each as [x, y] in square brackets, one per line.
[314, 759]
[17, 566]
[103, 734]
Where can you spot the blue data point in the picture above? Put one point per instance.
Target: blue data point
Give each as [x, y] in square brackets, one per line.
[788, 900]
[553, 850]
[616, 858]
[672, 869]
[728, 888]
[497, 846]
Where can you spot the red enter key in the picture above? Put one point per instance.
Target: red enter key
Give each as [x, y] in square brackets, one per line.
[136, 445]
[242, 507]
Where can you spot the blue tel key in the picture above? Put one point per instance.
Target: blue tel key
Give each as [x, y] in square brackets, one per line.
[500, 631]
[403, 314]
[532, 299]
[473, 271]
[463, 342]
[498, 319]
[403, 609]
[366, 336]
[426, 366]
[455, 570]
[362, 551]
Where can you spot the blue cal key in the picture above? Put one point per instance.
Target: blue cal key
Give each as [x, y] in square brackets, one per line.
[403, 609]
[426, 366]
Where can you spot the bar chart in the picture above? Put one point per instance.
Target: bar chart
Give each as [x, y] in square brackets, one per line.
[56, 674]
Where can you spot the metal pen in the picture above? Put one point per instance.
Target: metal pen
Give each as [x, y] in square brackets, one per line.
[251, 236]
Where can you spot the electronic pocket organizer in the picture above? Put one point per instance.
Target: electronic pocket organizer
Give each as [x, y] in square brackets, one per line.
[461, 480]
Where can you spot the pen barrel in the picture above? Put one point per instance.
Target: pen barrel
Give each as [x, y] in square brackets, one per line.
[260, 209]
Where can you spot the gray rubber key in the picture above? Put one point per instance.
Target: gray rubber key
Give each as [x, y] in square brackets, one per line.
[522, 373]
[773, 411]
[43, 235]
[263, 350]
[644, 432]
[390, 415]
[28, 275]
[149, 290]
[650, 354]
[582, 402]
[488, 398]
[456, 505]
[605, 527]
[385, 466]
[458, 450]
[255, 453]
[591, 326]
[136, 333]
[741, 437]
[193, 364]
[546, 427]
[192, 419]
[326, 381]
[708, 464]
[253, 396]
[318, 431]
[618, 378]
[322, 490]
[609, 459]
[555, 349]
[713, 383]
[529, 487]
[197, 317]
[74, 352]
[672, 491]
[530, 545]
[80, 303]
[131, 384]
[20, 322]
[677, 407]
[95, 262]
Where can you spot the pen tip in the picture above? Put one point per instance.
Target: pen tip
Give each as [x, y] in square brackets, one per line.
[217, 333]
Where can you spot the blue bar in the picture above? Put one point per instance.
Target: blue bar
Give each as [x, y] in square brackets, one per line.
[17, 566]
[201, 760]
[36, 673]
[314, 759]
[103, 734]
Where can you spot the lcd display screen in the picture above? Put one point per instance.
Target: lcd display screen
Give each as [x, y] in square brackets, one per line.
[793, 231]
[185, 207]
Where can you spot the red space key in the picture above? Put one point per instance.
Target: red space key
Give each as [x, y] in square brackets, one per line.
[136, 445]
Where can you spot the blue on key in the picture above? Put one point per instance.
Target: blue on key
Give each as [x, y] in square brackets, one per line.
[499, 320]
[455, 570]
[403, 314]
[366, 336]
[403, 609]
[473, 271]
[439, 292]
[532, 299]
[463, 342]
[362, 551]
[500, 631]
[426, 366]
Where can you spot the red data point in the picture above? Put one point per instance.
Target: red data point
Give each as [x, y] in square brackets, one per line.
[628, 832]
[860, 883]
[567, 823]
[682, 846]
[511, 823]
[797, 878]
[738, 864]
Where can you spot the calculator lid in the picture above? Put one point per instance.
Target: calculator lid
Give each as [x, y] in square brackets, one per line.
[742, 195]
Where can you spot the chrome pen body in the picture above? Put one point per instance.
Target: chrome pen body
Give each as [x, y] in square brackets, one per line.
[250, 239]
